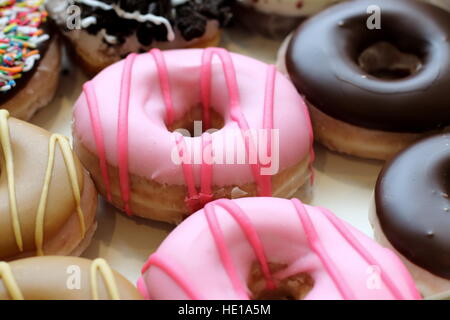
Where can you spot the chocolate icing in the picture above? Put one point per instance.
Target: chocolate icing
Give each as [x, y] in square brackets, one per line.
[322, 61]
[413, 204]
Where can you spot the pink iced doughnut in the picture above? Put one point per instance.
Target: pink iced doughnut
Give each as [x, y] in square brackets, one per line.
[297, 251]
[125, 117]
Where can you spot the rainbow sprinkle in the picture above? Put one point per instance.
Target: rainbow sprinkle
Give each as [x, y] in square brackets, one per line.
[20, 35]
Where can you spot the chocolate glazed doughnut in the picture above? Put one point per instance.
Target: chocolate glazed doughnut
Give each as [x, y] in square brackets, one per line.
[373, 92]
[412, 211]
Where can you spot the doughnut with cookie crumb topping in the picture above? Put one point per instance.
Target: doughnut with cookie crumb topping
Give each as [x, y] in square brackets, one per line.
[108, 30]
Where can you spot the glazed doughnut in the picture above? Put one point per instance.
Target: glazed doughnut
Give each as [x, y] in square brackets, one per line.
[411, 211]
[107, 31]
[56, 278]
[47, 200]
[271, 248]
[127, 122]
[30, 58]
[276, 18]
[367, 97]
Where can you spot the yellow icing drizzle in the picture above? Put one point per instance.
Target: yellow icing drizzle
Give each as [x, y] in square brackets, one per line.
[9, 281]
[5, 143]
[71, 170]
[108, 277]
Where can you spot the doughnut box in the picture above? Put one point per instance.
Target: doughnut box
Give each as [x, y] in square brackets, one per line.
[224, 150]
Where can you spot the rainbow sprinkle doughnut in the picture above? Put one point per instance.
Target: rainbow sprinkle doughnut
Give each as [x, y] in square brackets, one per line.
[21, 37]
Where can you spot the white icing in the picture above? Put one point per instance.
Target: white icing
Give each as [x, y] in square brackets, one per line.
[109, 38]
[149, 17]
[178, 2]
[289, 8]
[30, 62]
[37, 40]
[95, 4]
[146, 18]
[86, 22]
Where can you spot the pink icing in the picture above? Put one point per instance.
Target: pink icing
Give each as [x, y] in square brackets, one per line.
[206, 172]
[251, 236]
[225, 257]
[172, 271]
[317, 246]
[142, 288]
[122, 131]
[215, 248]
[264, 185]
[365, 254]
[89, 92]
[164, 83]
[134, 137]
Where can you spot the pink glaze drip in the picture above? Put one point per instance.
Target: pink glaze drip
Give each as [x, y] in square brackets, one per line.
[268, 103]
[196, 200]
[89, 92]
[405, 274]
[206, 171]
[171, 270]
[363, 252]
[140, 285]
[268, 120]
[316, 245]
[224, 254]
[205, 89]
[251, 235]
[102, 140]
[264, 188]
[122, 132]
[164, 83]
[187, 172]
[333, 248]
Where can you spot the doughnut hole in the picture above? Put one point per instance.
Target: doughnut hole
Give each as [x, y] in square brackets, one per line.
[295, 287]
[192, 122]
[385, 61]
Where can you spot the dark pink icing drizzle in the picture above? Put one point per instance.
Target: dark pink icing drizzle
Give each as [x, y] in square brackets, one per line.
[316, 245]
[363, 252]
[122, 132]
[164, 83]
[195, 199]
[251, 235]
[91, 99]
[171, 270]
